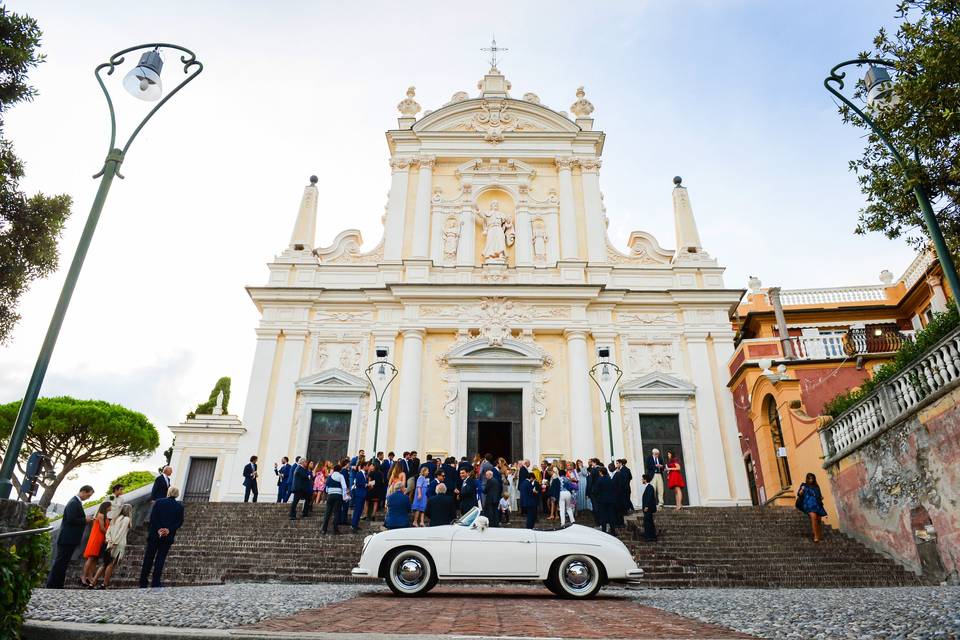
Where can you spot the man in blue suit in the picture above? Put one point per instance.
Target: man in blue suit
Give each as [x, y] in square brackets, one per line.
[300, 485]
[161, 484]
[358, 494]
[165, 518]
[529, 500]
[250, 480]
[71, 533]
[283, 473]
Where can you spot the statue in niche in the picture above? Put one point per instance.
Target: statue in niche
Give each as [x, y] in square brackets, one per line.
[451, 237]
[498, 229]
[539, 240]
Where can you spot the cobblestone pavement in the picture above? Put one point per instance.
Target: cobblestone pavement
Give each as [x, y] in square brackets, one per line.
[908, 612]
[515, 611]
[904, 612]
[213, 607]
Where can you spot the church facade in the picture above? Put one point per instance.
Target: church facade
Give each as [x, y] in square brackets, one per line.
[493, 292]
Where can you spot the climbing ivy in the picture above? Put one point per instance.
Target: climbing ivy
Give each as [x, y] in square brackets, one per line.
[22, 567]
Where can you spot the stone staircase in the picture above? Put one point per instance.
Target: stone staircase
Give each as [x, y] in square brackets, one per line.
[755, 547]
[698, 547]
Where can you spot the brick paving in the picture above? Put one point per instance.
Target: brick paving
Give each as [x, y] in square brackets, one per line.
[496, 611]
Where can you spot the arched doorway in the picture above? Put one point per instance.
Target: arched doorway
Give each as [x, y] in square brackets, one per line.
[776, 436]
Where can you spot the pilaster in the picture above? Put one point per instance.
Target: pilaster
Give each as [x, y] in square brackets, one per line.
[581, 415]
[396, 208]
[407, 435]
[593, 210]
[569, 249]
[421, 217]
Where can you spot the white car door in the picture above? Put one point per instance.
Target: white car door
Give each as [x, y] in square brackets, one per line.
[493, 551]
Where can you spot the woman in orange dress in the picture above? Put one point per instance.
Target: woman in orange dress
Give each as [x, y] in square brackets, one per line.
[91, 552]
[675, 478]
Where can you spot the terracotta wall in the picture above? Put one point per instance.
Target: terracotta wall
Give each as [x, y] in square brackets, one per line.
[820, 385]
[887, 489]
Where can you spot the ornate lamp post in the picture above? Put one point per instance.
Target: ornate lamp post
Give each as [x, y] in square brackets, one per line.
[380, 374]
[879, 88]
[602, 375]
[143, 82]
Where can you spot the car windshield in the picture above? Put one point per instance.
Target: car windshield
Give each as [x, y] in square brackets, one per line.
[467, 519]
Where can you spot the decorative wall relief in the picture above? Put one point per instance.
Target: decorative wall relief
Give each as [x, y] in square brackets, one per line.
[451, 237]
[652, 356]
[494, 120]
[540, 238]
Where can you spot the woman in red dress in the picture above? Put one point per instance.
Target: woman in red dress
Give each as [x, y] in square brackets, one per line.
[675, 478]
[94, 546]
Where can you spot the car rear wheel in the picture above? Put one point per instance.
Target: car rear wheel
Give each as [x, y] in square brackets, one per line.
[551, 584]
[410, 573]
[577, 577]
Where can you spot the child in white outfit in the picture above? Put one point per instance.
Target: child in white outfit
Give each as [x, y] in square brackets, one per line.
[505, 508]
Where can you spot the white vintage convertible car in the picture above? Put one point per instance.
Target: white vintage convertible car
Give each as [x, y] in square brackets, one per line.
[573, 562]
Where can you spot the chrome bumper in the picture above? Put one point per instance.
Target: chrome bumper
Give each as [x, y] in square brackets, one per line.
[635, 574]
[360, 572]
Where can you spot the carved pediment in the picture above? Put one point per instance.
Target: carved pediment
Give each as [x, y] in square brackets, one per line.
[492, 118]
[644, 250]
[335, 381]
[478, 352]
[657, 384]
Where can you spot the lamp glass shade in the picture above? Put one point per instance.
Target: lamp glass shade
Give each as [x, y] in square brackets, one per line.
[879, 87]
[143, 81]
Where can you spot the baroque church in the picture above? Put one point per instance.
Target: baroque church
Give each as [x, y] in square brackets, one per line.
[493, 291]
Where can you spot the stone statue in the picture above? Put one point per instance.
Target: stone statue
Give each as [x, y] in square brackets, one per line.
[218, 407]
[539, 240]
[498, 228]
[451, 237]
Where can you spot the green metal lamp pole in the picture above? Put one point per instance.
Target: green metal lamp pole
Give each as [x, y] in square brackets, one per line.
[878, 76]
[380, 385]
[144, 82]
[603, 378]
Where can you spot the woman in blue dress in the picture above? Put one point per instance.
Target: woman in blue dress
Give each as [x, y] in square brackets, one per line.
[420, 497]
[583, 502]
[810, 501]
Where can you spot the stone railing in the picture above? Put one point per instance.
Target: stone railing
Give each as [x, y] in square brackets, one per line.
[833, 295]
[818, 347]
[917, 268]
[894, 400]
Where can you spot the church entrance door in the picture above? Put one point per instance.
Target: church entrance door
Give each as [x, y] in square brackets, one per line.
[495, 423]
[329, 434]
[663, 432]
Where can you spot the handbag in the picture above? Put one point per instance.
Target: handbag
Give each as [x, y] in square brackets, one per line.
[799, 503]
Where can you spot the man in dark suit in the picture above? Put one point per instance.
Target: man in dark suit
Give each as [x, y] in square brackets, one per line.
[165, 518]
[71, 533]
[528, 499]
[491, 498]
[604, 501]
[524, 471]
[300, 487]
[649, 503]
[450, 475]
[161, 484]
[413, 464]
[429, 466]
[358, 494]
[467, 491]
[441, 508]
[655, 466]
[250, 480]
[464, 465]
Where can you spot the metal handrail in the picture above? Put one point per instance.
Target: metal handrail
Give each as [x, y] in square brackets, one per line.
[25, 532]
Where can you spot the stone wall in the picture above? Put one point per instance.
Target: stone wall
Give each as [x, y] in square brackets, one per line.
[900, 492]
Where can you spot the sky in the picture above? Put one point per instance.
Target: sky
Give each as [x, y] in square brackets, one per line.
[726, 93]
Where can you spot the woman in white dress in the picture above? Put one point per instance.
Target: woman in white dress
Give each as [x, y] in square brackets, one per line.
[512, 488]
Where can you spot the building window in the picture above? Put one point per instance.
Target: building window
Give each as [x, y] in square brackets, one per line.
[776, 435]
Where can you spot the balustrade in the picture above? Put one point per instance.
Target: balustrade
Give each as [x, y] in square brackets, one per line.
[833, 295]
[893, 400]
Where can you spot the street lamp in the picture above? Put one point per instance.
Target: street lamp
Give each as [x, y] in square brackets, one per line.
[880, 93]
[602, 375]
[142, 82]
[380, 374]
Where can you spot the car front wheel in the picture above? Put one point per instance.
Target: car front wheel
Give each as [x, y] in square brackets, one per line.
[410, 573]
[577, 577]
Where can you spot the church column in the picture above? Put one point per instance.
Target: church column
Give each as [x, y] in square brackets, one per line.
[407, 434]
[593, 210]
[568, 219]
[713, 478]
[421, 214]
[396, 209]
[259, 387]
[722, 353]
[581, 416]
[938, 299]
[275, 438]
